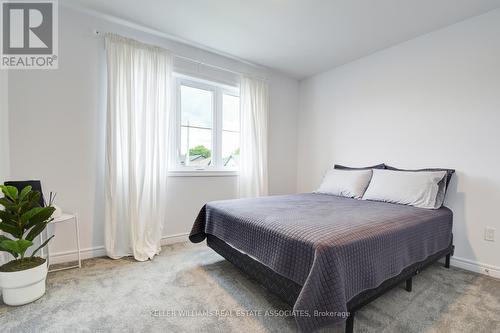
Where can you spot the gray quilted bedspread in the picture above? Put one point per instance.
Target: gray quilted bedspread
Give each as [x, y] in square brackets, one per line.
[334, 247]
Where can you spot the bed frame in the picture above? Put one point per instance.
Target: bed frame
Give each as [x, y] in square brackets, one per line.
[288, 290]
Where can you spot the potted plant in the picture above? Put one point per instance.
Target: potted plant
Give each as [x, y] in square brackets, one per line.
[22, 280]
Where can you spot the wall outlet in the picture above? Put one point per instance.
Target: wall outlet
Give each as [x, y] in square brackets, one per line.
[489, 234]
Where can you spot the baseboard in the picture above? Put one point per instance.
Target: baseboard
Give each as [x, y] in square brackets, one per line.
[99, 251]
[477, 267]
[177, 238]
[67, 256]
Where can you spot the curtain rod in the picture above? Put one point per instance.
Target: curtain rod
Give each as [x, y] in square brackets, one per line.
[198, 62]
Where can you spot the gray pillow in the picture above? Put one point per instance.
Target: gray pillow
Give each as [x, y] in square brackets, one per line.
[342, 167]
[345, 183]
[443, 184]
[449, 172]
[419, 189]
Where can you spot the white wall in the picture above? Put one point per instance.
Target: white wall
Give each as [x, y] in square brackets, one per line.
[430, 102]
[284, 104]
[57, 121]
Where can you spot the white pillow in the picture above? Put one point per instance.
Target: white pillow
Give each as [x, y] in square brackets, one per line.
[419, 189]
[346, 183]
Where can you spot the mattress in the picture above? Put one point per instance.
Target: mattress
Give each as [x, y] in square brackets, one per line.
[334, 247]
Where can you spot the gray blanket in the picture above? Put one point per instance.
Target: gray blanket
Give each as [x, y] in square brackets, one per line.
[334, 247]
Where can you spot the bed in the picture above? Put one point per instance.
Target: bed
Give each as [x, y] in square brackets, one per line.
[325, 255]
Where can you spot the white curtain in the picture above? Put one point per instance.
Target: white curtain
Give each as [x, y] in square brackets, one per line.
[254, 126]
[138, 108]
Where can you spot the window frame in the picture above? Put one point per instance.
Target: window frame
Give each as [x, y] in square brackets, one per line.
[219, 90]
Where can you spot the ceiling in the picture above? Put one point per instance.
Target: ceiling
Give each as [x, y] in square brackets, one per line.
[297, 37]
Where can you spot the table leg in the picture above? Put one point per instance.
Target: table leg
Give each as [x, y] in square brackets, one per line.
[41, 242]
[48, 251]
[78, 242]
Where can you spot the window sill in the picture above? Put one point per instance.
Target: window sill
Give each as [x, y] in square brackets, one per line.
[203, 173]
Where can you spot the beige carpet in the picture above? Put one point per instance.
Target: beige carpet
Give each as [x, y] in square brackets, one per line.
[189, 288]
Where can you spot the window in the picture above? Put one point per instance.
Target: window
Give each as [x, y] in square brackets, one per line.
[196, 126]
[208, 125]
[230, 130]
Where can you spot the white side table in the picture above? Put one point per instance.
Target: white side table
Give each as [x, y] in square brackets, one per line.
[65, 217]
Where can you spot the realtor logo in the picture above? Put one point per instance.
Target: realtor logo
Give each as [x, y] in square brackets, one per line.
[29, 34]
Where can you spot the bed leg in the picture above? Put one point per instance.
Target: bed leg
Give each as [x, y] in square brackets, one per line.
[409, 285]
[447, 260]
[349, 325]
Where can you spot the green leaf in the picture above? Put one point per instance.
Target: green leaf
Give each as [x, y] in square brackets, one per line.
[10, 192]
[2, 248]
[16, 246]
[15, 255]
[41, 214]
[5, 215]
[10, 230]
[25, 191]
[8, 219]
[36, 230]
[23, 244]
[10, 245]
[34, 199]
[43, 244]
[24, 206]
[30, 214]
[6, 202]
[11, 223]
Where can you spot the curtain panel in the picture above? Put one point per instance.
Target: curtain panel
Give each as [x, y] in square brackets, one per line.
[253, 179]
[137, 145]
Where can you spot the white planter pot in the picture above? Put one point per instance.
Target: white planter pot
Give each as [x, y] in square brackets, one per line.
[23, 287]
